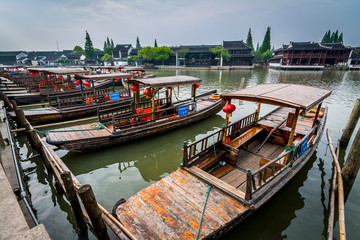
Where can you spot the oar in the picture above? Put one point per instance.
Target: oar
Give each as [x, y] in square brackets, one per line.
[270, 133]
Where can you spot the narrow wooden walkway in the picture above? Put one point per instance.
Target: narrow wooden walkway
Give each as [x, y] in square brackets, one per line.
[172, 207]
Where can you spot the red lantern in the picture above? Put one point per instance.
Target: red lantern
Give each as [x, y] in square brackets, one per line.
[229, 108]
[130, 78]
[135, 88]
[86, 84]
[119, 70]
[196, 85]
[59, 78]
[32, 74]
[51, 76]
[77, 82]
[137, 72]
[142, 74]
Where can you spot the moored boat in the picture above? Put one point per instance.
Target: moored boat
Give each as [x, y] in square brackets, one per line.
[139, 119]
[242, 166]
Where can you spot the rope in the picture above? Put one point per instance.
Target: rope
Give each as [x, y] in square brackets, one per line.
[293, 149]
[202, 214]
[93, 126]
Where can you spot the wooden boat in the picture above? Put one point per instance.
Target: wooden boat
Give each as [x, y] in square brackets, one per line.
[242, 166]
[49, 81]
[140, 119]
[65, 106]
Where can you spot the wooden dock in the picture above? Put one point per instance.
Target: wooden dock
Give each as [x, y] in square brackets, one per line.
[172, 208]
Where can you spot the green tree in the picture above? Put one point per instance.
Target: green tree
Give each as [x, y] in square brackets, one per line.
[89, 48]
[327, 37]
[340, 39]
[182, 53]
[249, 40]
[257, 46]
[112, 44]
[132, 59]
[266, 44]
[138, 46]
[78, 49]
[257, 56]
[162, 53]
[108, 46]
[266, 56]
[336, 36]
[106, 58]
[219, 52]
[155, 44]
[147, 53]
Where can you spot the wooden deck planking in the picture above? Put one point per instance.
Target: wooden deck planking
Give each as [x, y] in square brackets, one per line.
[172, 207]
[221, 171]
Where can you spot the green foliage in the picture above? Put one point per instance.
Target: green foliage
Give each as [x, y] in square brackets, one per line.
[220, 51]
[155, 44]
[266, 44]
[257, 46]
[132, 59]
[147, 53]
[162, 53]
[357, 51]
[78, 49]
[89, 48]
[106, 58]
[266, 56]
[138, 46]
[257, 56]
[340, 39]
[333, 37]
[108, 46]
[249, 40]
[97, 50]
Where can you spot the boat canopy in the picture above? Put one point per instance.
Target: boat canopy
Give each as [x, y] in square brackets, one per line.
[133, 69]
[166, 81]
[286, 95]
[103, 76]
[59, 71]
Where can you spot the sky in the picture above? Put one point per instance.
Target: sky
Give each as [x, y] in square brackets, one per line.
[43, 25]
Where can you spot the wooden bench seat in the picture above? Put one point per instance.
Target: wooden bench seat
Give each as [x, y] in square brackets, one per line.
[245, 137]
[208, 163]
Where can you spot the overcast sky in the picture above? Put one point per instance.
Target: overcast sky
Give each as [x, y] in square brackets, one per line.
[39, 24]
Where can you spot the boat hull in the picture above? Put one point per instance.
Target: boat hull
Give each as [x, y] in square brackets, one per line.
[91, 144]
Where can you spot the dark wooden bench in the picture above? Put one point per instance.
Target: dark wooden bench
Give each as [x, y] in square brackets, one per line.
[210, 161]
[245, 137]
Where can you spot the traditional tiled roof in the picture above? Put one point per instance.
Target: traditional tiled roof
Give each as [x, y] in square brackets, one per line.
[236, 45]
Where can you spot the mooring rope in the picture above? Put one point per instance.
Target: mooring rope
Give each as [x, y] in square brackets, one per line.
[202, 215]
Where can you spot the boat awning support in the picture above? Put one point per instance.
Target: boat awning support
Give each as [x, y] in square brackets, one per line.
[292, 132]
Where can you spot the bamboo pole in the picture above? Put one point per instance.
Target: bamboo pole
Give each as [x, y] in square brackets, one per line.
[6, 102]
[342, 229]
[88, 198]
[71, 195]
[351, 124]
[352, 165]
[332, 199]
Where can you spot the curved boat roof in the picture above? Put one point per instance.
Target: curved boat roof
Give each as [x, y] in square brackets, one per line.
[59, 71]
[286, 95]
[103, 76]
[167, 81]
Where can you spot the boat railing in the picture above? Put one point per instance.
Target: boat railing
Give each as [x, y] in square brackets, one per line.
[237, 126]
[133, 120]
[200, 147]
[195, 149]
[107, 114]
[273, 168]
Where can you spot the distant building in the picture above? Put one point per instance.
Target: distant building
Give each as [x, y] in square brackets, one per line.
[354, 61]
[310, 55]
[9, 57]
[240, 53]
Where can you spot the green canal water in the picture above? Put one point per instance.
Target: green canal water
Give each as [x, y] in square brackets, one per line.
[299, 211]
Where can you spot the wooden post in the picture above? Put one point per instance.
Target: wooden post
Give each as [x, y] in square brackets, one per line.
[185, 157]
[14, 104]
[88, 198]
[71, 196]
[292, 132]
[7, 103]
[248, 194]
[341, 204]
[152, 92]
[242, 83]
[226, 123]
[352, 165]
[171, 95]
[20, 117]
[257, 114]
[317, 114]
[351, 124]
